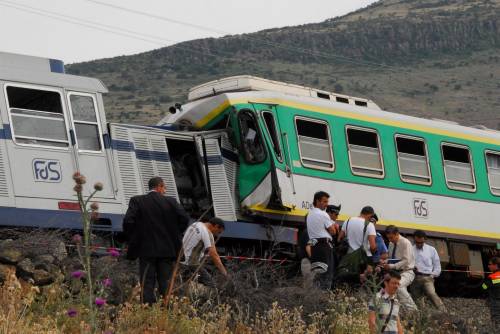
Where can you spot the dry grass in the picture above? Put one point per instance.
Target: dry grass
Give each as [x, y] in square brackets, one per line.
[259, 300]
[26, 309]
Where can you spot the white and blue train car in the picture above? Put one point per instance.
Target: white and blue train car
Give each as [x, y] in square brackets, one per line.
[53, 124]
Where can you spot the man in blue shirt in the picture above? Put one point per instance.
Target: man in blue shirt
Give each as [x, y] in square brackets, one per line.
[381, 252]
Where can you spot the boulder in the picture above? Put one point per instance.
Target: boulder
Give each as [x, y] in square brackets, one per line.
[10, 255]
[42, 277]
[46, 258]
[25, 269]
[59, 251]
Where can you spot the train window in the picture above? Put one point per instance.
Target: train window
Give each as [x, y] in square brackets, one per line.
[273, 133]
[493, 165]
[84, 114]
[342, 99]
[315, 145]
[413, 160]
[37, 116]
[365, 155]
[458, 169]
[251, 141]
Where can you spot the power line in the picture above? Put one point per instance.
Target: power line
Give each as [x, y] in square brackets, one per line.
[68, 19]
[320, 54]
[116, 30]
[122, 31]
[156, 40]
[246, 37]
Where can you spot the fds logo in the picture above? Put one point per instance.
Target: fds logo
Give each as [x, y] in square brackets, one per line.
[420, 208]
[47, 170]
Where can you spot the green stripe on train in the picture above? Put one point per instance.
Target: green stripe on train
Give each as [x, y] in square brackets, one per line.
[250, 175]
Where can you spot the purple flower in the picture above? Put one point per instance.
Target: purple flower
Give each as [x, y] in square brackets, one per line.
[94, 206]
[100, 301]
[98, 186]
[113, 252]
[77, 238]
[107, 282]
[71, 313]
[77, 274]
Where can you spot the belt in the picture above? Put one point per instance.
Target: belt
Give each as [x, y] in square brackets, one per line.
[422, 274]
[315, 241]
[323, 239]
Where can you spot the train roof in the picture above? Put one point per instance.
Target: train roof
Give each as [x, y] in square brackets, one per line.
[44, 71]
[242, 83]
[201, 111]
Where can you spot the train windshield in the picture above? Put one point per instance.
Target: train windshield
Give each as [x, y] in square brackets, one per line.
[251, 141]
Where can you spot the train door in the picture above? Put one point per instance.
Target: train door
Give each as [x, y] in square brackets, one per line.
[40, 152]
[254, 181]
[86, 132]
[141, 153]
[277, 142]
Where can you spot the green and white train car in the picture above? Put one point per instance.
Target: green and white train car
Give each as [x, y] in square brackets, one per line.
[293, 141]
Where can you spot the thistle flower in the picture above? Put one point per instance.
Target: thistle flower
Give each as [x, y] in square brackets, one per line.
[76, 175]
[94, 206]
[94, 215]
[107, 282]
[98, 186]
[113, 252]
[77, 238]
[71, 312]
[77, 274]
[100, 301]
[79, 179]
[78, 188]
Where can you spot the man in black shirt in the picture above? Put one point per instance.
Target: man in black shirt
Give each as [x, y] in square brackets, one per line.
[154, 224]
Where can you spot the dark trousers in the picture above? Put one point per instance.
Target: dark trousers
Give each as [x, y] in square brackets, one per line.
[152, 270]
[322, 263]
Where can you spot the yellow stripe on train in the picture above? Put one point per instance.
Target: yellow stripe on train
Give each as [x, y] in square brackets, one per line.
[432, 228]
[347, 114]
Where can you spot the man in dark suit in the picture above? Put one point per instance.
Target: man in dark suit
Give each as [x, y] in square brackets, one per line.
[154, 225]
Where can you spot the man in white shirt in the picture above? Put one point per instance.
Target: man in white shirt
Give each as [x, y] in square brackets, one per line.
[198, 240]
[401, 258]
[320, 229]
[354, 230]
[427, 267]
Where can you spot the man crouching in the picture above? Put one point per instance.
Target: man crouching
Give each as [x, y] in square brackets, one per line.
[198, 241]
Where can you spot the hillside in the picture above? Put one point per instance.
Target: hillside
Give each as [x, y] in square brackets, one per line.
[428, 58]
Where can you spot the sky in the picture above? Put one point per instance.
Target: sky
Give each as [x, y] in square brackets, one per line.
[81, 30]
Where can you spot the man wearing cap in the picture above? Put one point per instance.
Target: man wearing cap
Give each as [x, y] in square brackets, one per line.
[333, 212]
[427, 267]
[198, 240]
[320, 229]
